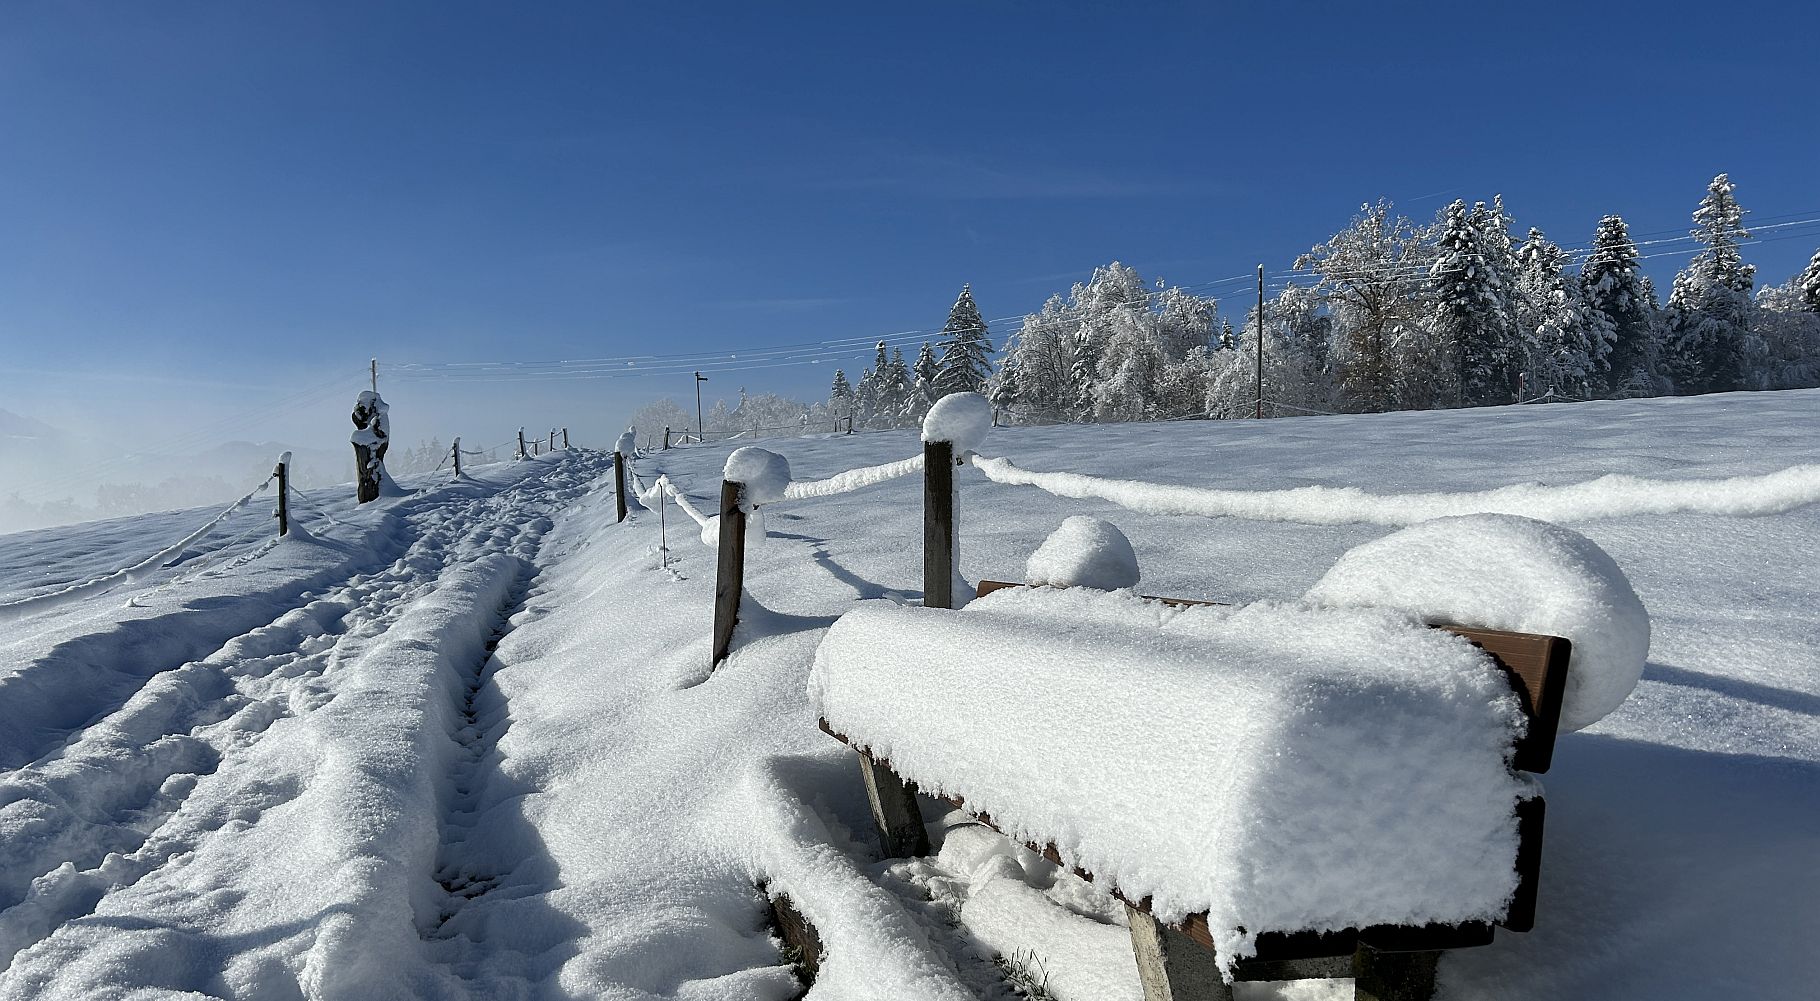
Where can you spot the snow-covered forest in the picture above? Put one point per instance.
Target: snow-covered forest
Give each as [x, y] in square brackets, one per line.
[1386, 314]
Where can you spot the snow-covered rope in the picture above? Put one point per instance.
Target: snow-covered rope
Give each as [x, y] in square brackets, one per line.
[1614, 496]
[853, 479]
[138, 571]
[648, 496]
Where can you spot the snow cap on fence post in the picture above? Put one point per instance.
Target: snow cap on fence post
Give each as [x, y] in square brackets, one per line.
[763, 474]
[627, 443]
[1084, 552]
[961, 419]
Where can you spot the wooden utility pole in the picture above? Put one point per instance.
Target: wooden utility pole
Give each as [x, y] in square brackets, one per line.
[730, 573]
[700, 434]
[938, 524]
[374, 369]
[1260, 411]
[283, 472]
[455, 453]
[619, 483]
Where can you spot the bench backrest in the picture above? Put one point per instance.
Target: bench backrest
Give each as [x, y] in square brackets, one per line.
[1536, 666]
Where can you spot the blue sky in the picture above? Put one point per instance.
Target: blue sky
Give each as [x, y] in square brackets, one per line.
[205, 205]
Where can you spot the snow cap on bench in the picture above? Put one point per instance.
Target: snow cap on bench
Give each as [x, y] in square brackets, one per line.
[1499, 571]
[1084, 552]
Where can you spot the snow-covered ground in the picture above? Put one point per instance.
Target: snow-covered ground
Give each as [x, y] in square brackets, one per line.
[298, 771]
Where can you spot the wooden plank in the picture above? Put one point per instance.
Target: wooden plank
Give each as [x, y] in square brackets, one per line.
[938, 524]
[802, 943]
[730, 572]
[1535, 664]
[1171, 967]
[1530, 814]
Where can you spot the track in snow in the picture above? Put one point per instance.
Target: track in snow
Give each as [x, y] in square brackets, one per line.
[118, 800]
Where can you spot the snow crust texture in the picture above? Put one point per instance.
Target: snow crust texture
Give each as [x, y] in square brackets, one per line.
[960, 418]
[765, 475]
[1084, 552]
[1271, 765]
[1503, 572]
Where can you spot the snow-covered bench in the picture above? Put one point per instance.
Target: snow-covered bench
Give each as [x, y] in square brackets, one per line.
[1278, 791]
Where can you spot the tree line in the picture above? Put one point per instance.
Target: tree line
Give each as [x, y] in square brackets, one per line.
[1393, 315]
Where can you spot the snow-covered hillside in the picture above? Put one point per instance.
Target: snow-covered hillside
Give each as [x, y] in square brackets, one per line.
[465, 743]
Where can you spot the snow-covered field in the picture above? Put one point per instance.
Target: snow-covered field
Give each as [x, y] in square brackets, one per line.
[298, 771]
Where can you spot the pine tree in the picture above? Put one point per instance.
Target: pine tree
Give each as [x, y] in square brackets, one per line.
[964, 367]
[1807, 285]
[1228, 340]
[1565, 355]
[922, 391]
[1467, 318]
[1004, 391]
[895, 405]
[1708, 323]
[1617, 311]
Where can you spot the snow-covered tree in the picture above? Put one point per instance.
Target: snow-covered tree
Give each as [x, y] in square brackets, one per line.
[1708, 323]
[1807, 285]
[1371, 277]
[895, 403]
[1468, 315]
[964, 365]
[1564, 355]
[1617, 310]
[1788, 330]
[924, 372]
[840, 397]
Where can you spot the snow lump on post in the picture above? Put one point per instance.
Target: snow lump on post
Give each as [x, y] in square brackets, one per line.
[962, 419]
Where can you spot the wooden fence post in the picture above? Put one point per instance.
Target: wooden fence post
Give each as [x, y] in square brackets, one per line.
[938, 524]
[619, 483]
[666, 437]
[565, 438]
[730, 574]
[552, 447]
[521, 443]
[456, 452]
[283, 472]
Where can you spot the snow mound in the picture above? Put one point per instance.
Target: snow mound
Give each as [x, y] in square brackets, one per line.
[1500, 571]
[961, 418]
[627, 443]
[766, 475]
[1084, 552]
[1247, 762]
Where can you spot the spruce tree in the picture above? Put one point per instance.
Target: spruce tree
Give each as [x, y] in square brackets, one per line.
[1807, 285]
[1004, 391]
[924, 372]
[1567, 355]
[1616, 308]
[1467, 317]
[964, 367]
[1709, 309]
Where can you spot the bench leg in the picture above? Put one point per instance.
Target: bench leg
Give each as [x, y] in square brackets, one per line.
[894, 810]
[1393, 976]
[1172, 966]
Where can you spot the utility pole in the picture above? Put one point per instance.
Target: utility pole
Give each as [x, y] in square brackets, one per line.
[1260, 411]
[700, 433]
[374, 368]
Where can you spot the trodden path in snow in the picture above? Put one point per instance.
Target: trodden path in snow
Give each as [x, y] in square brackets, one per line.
[359, 707]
